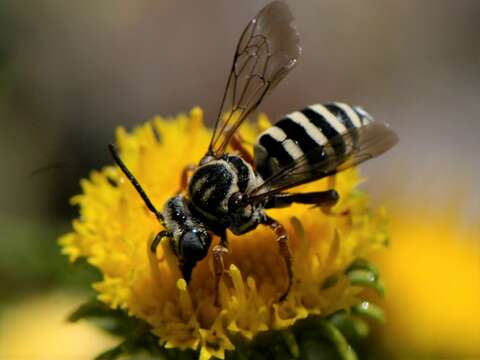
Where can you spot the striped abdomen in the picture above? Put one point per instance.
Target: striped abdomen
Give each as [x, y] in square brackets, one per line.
[302, 131]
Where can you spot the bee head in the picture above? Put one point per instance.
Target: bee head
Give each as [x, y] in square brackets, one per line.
[194, 247]
[194, 244]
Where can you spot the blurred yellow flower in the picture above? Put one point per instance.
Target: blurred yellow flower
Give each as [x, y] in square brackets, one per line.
[38, 329]
[433, 276]
[114, 231]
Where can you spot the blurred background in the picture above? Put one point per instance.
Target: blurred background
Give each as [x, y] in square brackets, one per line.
[71, 72]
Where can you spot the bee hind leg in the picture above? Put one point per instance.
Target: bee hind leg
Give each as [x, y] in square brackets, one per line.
[218, 264]
[282, 241]
[324, 199]
[327, 210]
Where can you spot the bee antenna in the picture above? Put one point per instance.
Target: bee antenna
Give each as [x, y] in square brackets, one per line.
[134, 182]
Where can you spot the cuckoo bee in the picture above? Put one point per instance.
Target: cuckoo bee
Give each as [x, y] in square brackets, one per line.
[231, 191]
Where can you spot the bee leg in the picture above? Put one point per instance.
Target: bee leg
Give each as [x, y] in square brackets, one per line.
[156, 241]
[327, 210]
[218, 264]
[184, 177]
[236, 143]
[324, 199]
[186, 267]
[152, 256]
[282, 241]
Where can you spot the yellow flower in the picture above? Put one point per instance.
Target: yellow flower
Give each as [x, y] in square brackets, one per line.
[115, 229]
[433, 273]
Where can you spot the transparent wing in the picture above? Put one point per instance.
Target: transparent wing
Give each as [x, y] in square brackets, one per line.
[359, 144]
[267, 50]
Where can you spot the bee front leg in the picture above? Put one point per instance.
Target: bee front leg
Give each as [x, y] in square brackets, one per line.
[218, 264]
[152, 256]
[282, 241]
[156, 241]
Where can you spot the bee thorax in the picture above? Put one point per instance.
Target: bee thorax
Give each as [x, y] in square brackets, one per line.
[211, 186]
[216, 190]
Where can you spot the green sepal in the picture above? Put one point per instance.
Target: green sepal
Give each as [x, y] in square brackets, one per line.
[291, 343]
[308, 339]
[352, 327]
[367, 278]
[332, 333]
[364, 273]
[361, 263]
[369, 310]
[312, 338]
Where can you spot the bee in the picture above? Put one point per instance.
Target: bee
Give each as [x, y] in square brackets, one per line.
[231, 191]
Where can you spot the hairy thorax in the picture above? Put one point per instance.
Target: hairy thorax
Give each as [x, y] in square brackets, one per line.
[216, 190]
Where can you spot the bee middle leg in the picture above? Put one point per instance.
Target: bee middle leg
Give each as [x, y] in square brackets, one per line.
[282, 241]
[184, 177]
[218, 264]
[324, 199]
[236, 142]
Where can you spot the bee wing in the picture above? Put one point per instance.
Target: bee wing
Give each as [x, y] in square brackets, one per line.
[359, 144]
[267, 50]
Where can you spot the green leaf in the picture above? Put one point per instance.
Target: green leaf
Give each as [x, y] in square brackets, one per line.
[114, 321]
[111, 354]
[91, 309]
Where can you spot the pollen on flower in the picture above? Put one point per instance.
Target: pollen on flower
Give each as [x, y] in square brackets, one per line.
[114, 230]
